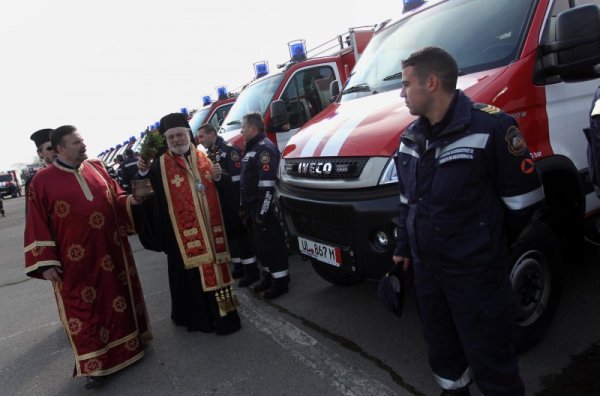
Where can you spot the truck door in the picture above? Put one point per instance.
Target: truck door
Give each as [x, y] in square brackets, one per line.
[305, 95]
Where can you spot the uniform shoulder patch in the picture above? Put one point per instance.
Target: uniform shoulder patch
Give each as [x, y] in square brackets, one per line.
[235, 157]
[515, 141]
[486, 108]
[264, 157]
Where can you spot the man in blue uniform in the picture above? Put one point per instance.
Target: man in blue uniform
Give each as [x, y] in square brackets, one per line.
[128, 169]
[240, 247]
[593, 155]
[257, 186]
[467, 188]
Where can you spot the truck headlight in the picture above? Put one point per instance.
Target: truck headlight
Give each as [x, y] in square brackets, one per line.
[389, 174]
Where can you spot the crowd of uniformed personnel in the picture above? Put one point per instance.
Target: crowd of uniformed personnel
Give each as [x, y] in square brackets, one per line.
[214, 208]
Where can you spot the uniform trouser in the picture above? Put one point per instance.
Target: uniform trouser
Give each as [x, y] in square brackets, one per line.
[240, 243]
[468, 323]
[270, 244]
[240, 248]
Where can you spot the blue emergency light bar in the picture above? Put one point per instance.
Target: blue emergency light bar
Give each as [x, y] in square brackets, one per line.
[206, 100]
[118, 146]
[222, 92]
[143, 134]
[183, 111]
[261, 69]
[297, 50]
[410, 5]
[132, 139]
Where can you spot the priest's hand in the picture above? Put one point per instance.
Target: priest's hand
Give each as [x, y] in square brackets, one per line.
[217, 171]
[143, 166]
[53, 274]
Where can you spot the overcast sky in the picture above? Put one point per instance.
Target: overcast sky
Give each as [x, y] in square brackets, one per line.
[113, 67]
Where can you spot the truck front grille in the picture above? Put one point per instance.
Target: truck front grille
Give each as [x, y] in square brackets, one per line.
[325, 167]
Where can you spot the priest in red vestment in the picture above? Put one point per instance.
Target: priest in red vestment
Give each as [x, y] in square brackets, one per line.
[76, 231]
[183, 219]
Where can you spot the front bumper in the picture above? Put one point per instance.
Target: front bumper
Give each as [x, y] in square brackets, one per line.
[348, 219]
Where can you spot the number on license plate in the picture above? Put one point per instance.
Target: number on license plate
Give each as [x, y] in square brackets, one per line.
[320, 251]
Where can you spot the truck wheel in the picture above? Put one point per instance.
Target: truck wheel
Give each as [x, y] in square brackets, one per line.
[333, 275]
[537, 282]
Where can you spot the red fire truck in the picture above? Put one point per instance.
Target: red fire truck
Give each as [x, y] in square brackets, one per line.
[213, 112]
[302, 86]
[9, 184]
[533, 59]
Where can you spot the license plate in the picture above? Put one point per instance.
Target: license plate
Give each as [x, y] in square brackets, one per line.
[320, 251]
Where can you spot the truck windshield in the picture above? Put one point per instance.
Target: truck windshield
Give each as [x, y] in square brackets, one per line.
[5, 178]
[480, 35]
[255, 97]
[198, 118]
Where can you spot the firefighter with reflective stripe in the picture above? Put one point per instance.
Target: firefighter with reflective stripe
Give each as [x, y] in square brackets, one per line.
[467, 189]
[129, 169]
[240, 246]
[257, 186]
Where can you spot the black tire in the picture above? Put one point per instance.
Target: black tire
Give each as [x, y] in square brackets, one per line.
[536, 277]
[335, 275]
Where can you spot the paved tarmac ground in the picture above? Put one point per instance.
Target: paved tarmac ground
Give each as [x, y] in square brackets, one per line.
[317, 339]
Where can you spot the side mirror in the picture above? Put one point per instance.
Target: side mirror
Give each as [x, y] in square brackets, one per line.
[280, 121]
[577, 46]
[334, 90]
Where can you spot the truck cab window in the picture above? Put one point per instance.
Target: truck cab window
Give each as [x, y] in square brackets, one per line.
[306, 94]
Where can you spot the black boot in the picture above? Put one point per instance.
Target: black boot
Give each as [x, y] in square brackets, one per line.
[238, 271]
[278, 287]
[265, 282]
[250, 275]
[456, 392]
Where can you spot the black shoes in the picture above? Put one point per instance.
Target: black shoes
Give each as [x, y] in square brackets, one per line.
[250, 275]
[458, 392]
[95, 382]
[278, 287]
[264, 284]
[238, 272]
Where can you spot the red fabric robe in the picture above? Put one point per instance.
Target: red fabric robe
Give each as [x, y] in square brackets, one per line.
[78, 220]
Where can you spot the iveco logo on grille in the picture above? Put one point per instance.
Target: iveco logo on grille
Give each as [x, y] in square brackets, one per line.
[325, 168]
[315, 168]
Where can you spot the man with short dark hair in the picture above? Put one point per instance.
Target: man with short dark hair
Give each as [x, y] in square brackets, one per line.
[76, 237]
[468, 187]
[228, 157]
[257, 188]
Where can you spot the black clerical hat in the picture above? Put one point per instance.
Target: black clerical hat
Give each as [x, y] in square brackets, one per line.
[40, 137]
[173, 120]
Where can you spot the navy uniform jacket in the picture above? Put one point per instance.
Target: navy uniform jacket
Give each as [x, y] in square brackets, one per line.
[593, 136]
[129, 170]
[467, 188]
[228, 157]
[259, 175]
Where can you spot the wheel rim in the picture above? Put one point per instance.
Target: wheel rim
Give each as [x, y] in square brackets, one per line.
[531, 282]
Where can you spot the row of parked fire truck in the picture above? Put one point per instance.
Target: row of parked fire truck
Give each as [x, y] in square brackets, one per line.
[337, 118]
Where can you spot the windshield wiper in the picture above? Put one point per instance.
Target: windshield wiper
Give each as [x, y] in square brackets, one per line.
[364, 87]
[236, 122]
[394, 76]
